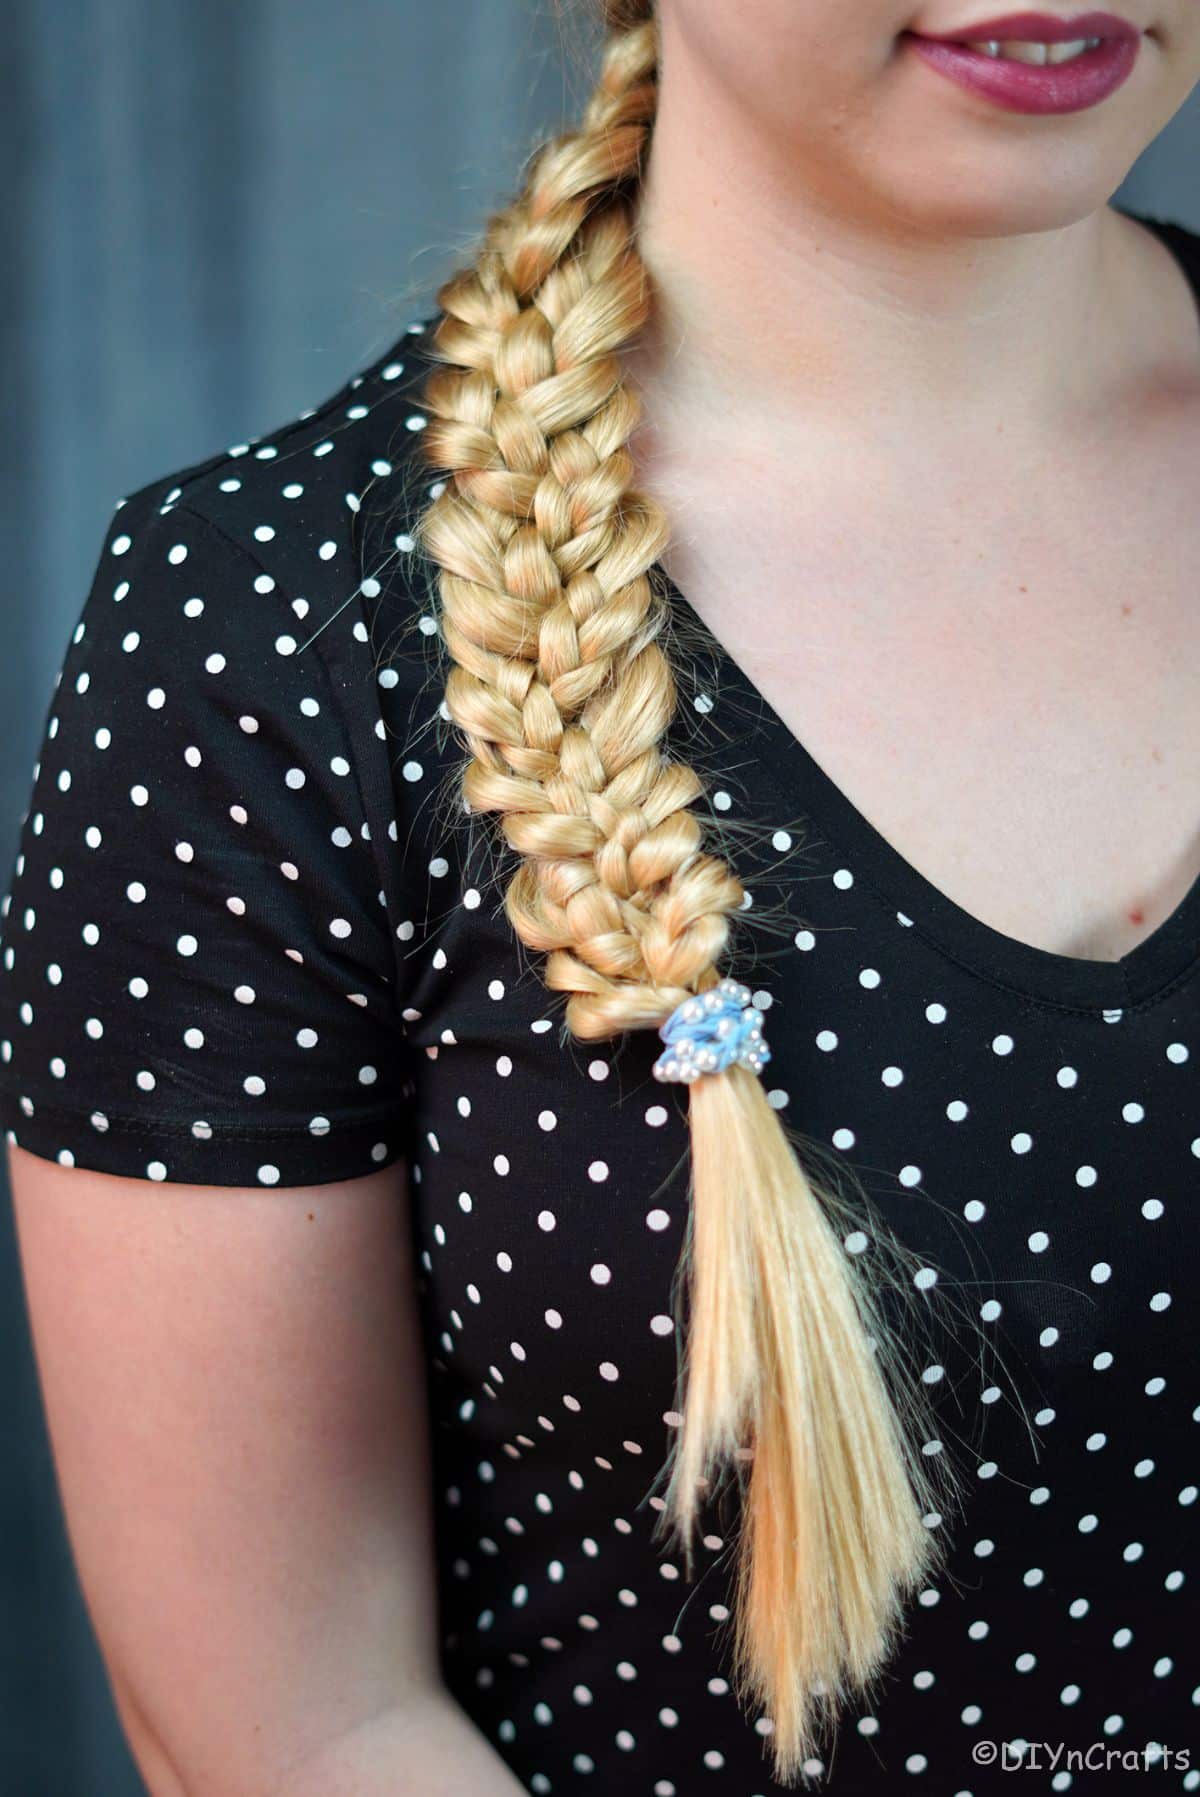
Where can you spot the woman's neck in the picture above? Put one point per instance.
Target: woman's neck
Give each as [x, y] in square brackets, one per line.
[782, 309]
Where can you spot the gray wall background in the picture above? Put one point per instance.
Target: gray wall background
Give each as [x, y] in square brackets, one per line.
[210, 217]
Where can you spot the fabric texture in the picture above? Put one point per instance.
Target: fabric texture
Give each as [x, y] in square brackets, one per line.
[252, 938]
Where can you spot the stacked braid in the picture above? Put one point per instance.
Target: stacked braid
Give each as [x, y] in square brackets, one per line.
[563, 695]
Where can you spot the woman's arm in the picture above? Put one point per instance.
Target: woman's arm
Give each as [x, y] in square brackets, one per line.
[433, 1749]
[235, 1392]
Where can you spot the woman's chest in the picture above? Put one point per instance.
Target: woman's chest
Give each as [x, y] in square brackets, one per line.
[1024, 728]
[1000, 671]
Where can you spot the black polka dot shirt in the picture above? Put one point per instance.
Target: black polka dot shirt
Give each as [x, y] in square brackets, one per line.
[252, 938]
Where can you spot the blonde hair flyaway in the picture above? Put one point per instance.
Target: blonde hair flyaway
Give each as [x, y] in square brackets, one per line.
[563, 694]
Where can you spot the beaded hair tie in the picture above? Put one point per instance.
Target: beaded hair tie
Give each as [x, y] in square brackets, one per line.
[711, 1031]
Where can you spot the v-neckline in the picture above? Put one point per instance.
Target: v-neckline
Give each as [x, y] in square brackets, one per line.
[1158, 963]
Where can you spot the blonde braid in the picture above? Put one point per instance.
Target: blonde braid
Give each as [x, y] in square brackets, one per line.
[564, 696]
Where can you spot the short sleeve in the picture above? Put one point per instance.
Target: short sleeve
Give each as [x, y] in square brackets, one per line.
[197, 978]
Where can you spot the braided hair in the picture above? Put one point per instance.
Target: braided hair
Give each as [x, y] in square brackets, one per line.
[562, 692]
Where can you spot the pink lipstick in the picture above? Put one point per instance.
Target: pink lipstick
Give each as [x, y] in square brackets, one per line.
[976, 58]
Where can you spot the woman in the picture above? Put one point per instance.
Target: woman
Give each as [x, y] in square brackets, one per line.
[825, 321]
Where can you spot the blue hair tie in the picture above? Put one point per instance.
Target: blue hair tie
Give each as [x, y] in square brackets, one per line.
[711, 1031]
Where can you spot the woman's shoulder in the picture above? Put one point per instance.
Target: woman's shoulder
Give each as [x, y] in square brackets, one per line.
[1165, 223]
[210, 825]
[321, 504]
[1178, 236]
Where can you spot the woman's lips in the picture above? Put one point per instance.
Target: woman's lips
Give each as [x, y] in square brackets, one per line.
[1032, 87]
[1040, 28]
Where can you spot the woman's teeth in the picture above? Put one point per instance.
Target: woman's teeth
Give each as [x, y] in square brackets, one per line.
[1036, 53]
